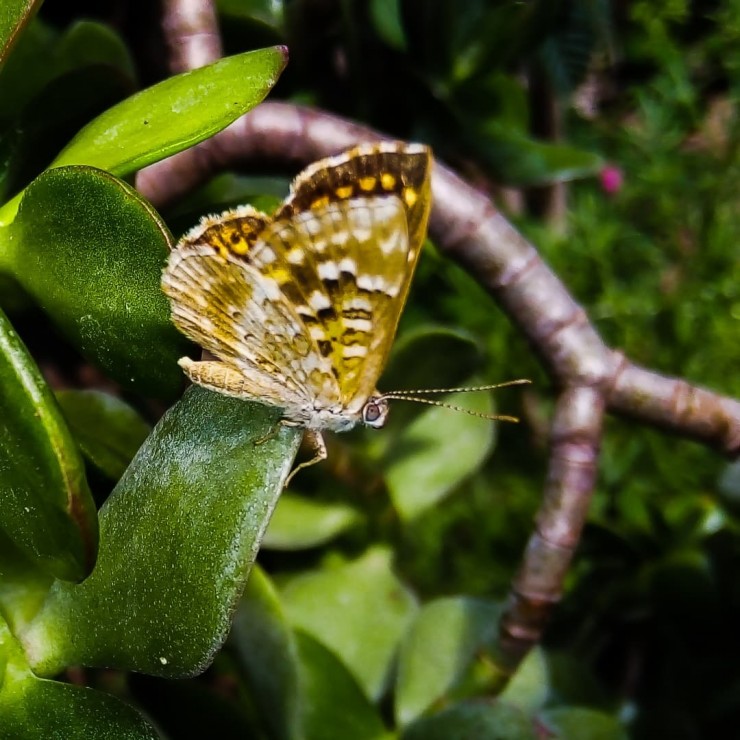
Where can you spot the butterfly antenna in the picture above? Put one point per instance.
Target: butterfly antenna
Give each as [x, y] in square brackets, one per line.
[473, 389]
[452, 407]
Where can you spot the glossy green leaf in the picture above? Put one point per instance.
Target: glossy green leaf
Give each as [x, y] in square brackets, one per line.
[171, 116]
[299, 523]
[23, 586]
[90, 251]
[438, 649]
[14, 14]
[47, 507]
[178, 537]
[107, 430]
[268, 654]
[333, 704]
[50, 709]
[175, 114]
[437, 451]
[360, 610]
[33, 708]
[580, 723]
[474, 720]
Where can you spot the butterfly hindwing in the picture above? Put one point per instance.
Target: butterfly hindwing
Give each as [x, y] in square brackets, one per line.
[230, 309]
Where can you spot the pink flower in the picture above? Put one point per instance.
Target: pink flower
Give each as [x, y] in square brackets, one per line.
[611, 179]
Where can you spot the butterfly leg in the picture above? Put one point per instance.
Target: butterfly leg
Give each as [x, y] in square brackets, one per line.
[273, 431]
[316, 441]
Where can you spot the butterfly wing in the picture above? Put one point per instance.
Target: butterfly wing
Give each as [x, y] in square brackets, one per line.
[306, 305]
[230, 309]
[379, 183]
[378, 168]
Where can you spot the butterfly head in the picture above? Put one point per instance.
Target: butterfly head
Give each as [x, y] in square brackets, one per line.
[375, 412]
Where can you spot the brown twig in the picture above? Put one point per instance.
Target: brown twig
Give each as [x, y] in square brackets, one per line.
[466, 226]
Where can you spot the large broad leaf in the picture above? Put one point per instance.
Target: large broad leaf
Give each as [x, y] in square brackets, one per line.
[172, 115]
[47, 508]
[267, 649]
[33, 708]
[360, 610]
[437, 451]
[301, 522]
[90, 251]
[480, 720]
[333, 705]
[178, 537]
[108, 431]
[438, 649]
[581, 723]
[14, 14]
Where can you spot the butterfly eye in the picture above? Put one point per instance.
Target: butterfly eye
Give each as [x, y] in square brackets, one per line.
[375, 412]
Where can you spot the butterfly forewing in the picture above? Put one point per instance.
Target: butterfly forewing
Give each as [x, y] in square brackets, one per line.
[345, 268]
[305, 304]
[382, 168]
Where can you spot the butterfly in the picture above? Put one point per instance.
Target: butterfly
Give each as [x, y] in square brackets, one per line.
[300, 308]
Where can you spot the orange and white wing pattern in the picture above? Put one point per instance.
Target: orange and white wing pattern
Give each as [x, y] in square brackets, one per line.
[308, 300]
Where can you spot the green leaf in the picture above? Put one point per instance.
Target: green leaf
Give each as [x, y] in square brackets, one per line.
[14, 14]
[268, 654]
[529, 688]
[473, 720]
[23, 586]
[333, 705]
[519, 160]
[438, 649]
[33, 708]
[437, 451]
[360, 610]
[50, 709]
[88, 43]
[386, 17]
[171, 116]
[579, 723]
[175, 114]
[178, 537]
[90, 251]
[107, 430]
[47, 507]
[300, 523]
[268, 12]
